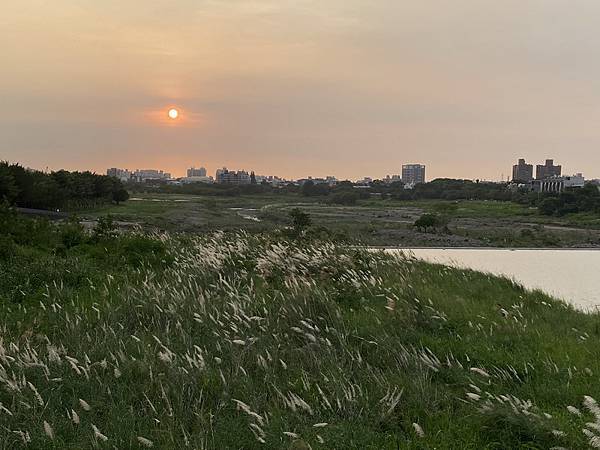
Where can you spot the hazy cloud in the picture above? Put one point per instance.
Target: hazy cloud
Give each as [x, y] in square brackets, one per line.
[342, 87]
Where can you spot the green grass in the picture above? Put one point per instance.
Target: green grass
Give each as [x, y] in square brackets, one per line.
[246, 341]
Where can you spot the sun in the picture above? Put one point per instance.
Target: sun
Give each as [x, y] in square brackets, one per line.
[173, 113]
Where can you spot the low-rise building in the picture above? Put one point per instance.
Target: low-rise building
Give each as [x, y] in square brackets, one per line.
[392, 179]
[196, 179]
[194, 172]
[558, 184]
[142, 175]
[122, 174]
[225, 176]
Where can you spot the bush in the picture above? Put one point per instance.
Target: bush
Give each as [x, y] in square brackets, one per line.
[105, 228]
[428, 221]
[142, 250]
[347, 198]
[300, 220]
[72, 234]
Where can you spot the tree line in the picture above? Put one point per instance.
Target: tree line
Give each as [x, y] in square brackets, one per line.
[585, 199]
[57, 190]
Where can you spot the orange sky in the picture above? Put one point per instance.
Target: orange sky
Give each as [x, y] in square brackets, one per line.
[349, 88]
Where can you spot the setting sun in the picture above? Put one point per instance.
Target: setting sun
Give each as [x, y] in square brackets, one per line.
[173, 113]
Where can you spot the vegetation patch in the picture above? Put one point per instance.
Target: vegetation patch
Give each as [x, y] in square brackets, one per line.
[230, 340]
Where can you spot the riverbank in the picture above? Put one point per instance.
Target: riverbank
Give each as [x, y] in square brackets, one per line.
[374, 222]
[570, 275]
[292, 344]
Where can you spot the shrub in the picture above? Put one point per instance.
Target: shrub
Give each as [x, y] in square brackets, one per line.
[120, 195]
[428, 221]
[347, 198]
[142, 250]
[300, 220]
[72, 234]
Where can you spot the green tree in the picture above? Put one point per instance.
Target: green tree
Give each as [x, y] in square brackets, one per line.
[345, 197]
[549, 206]
[310, 189]
[120, 195]
[428, 221]
[8, 187]
[300, 220]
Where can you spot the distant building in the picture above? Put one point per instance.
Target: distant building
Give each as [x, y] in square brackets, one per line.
[142, 175]
[329, 180]
[522, 171]
[413, 174]
[392, 179]
[558, 184]
[196, 179]
[547, 170]
[270, 179]
[122, 174]
[225, 176]
[193, 172]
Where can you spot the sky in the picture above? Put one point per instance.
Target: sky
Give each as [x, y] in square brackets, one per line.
[349, 88]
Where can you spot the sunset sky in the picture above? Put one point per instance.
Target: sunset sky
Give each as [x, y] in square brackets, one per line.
[307, 87]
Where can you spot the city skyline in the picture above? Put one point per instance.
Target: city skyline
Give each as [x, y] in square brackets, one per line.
[341, 87]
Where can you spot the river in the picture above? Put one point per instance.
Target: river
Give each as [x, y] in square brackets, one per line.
[572, 275]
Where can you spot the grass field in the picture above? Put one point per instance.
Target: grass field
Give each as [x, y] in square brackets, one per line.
[372, 221]
[230, 340]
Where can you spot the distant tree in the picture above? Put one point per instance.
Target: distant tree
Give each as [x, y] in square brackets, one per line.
[346, 197]
[307, 188]
[549, 206]
[120, 195]
[252, 178]
[60, 189]
[310, 189]
[300, 220]
[8, 187]
[428, 221]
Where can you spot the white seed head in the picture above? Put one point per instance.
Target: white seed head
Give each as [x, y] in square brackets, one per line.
[145, 442]
[48, 430]
[85, 405]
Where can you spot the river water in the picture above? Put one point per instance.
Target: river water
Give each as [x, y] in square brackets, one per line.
[572, 275]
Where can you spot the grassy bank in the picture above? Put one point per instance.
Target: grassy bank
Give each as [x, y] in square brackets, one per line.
[233, 341]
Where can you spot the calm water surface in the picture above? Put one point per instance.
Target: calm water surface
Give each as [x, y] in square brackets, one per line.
[573, 275]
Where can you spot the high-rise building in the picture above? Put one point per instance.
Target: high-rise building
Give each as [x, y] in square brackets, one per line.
[547, 170]
[522, 171]
[413, 173]
[193, 172]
